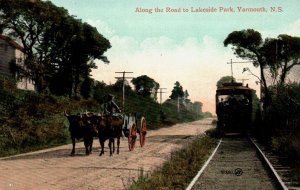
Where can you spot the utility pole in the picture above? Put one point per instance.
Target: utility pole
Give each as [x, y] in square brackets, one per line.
[123, 79]
[178, 105]
[160, 93]
[231, 62]
[243, 80]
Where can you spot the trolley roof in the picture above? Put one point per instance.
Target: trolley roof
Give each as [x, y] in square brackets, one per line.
[235, 87]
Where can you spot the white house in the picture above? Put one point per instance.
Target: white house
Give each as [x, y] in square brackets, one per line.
[11, 51]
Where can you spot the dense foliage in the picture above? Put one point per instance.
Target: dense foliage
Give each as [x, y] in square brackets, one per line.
[177, 91]
[145, 86]
[225, 79]
[59, 49]
[280, 128]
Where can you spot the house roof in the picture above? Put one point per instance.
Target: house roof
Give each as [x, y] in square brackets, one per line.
[12, 42]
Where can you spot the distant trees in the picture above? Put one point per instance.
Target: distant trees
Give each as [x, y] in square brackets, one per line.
[60, 50]
[225, 79]
[177, 91]
[145, 86]
[119, 85]
[186, 96]
[180, 97]
[178, 94]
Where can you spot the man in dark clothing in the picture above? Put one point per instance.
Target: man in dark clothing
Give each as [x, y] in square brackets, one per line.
[110, 106]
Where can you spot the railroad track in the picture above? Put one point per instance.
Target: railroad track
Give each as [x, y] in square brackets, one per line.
[280, 165]
[237, 163]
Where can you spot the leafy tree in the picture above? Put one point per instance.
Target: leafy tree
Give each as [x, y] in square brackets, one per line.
[100, 89]
[145, 86]
[186, 97]
[177, 91]
[27, 22]
[87, 87]
[225, 79]
[54, 43]
[186, 94]
[118, 86]
[198, 107]
[282, 54]
[248, 44]
[279, 55]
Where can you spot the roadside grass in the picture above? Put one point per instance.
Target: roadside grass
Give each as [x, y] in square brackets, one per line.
[180, 169]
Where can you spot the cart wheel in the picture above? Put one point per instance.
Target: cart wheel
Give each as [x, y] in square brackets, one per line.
[132, 137]
[143, 131]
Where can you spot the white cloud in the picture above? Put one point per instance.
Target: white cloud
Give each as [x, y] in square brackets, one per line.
[102, 27]
[293, 29]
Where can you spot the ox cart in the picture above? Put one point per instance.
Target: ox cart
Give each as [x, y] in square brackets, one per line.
[133, 124]
[89, 125]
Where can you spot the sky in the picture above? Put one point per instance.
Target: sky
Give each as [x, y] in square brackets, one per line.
[184, 46]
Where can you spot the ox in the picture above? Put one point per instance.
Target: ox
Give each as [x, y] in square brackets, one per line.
[110, 127]
[81, 127]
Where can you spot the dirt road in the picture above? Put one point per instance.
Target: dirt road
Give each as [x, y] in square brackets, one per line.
[55, 169]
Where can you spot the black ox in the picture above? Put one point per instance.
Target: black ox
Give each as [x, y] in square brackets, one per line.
[109, 127]
[81, 127]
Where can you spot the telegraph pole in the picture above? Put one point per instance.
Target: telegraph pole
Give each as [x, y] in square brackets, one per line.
[161, 92]
[231, 62]
[123, 89]
[243, 80]
[178, 105]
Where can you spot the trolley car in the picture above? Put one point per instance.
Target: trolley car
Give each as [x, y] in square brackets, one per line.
[234, 107]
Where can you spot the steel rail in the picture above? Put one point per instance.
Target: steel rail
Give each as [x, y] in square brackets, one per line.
[265, 159]
[203, 167]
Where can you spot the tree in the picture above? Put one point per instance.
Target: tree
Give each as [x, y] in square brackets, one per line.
[186, 97]
[177, 91]
[198, 107]
[277, 55]
[27, 22]
[145, 86]
[54, 43]
[85, 46]
[87, 87]
[282, 54]
[99, 91]
[118, 86]
[225, 79]
[248, 44]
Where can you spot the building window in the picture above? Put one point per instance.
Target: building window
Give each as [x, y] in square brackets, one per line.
[4, 47]
[19, 60]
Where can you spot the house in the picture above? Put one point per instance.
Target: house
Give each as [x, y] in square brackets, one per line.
[11, 53]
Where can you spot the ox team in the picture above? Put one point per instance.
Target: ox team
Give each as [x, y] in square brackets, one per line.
[89, 125]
